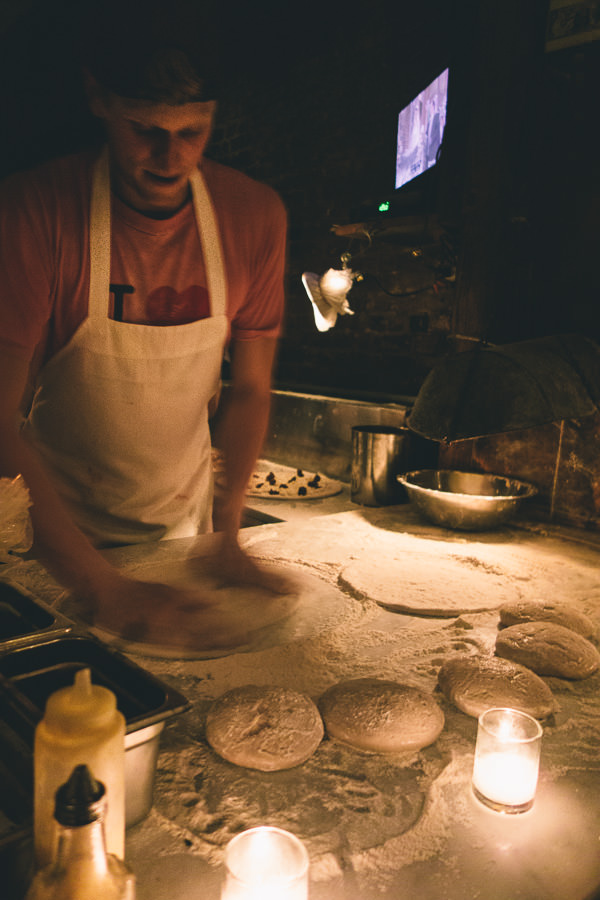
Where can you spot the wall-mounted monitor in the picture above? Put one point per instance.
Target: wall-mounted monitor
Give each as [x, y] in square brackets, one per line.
[421, 130]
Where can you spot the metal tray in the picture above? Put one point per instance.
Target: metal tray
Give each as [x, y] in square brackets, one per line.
[25, 619]
[28, 675]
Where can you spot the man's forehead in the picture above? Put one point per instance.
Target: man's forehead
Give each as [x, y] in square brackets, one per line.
[164, 115]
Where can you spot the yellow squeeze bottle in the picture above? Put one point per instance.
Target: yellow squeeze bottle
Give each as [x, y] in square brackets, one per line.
[81, 726]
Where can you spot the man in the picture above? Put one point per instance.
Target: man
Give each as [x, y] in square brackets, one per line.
[125, 274]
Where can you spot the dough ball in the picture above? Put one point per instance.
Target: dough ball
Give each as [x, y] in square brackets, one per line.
[547, 611]
[548, 649]
[383, 716]
[265, 728]
[476, 683]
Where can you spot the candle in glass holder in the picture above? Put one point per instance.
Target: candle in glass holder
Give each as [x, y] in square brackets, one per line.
[507, 758]
[265, 864]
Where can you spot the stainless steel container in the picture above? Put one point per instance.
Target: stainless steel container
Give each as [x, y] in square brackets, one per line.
[379, 454]
[141, 754]
[468, 501]
[29, 674]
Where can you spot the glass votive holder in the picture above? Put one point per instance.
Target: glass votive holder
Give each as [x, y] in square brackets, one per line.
[507, 760]
[265, 863]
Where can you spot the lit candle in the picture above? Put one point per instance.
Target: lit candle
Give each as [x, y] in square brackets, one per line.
[507, 755]
[265, 864]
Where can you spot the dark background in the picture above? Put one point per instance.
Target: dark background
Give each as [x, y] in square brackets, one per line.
[500, 241]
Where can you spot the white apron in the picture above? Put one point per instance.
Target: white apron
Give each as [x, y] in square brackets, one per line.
[120, 414]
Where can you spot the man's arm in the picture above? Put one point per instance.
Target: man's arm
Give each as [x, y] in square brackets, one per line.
[240, 435]
[243, 425]
[155, 613]
[58, 543]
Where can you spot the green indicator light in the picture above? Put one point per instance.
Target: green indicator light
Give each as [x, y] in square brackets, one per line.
[384, 207]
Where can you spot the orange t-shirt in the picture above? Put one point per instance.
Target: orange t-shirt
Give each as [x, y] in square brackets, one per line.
[157, 273]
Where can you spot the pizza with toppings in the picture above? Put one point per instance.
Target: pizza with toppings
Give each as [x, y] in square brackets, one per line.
[273, 481]
[286, 483]
[279, 482]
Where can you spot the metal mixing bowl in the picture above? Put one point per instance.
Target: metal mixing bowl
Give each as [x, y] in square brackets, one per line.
[469, 501]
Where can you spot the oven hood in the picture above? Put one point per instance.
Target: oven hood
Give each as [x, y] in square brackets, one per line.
[495, 389]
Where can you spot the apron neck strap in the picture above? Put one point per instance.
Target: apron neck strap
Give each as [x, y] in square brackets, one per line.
[99, 298]
[210, 240]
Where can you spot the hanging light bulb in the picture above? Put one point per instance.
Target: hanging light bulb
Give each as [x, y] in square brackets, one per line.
[328, 293]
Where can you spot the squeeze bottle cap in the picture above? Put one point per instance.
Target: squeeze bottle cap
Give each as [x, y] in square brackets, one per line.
[67, 708]
[80, 801]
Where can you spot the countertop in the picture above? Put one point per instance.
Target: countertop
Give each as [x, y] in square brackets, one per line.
[381, 827]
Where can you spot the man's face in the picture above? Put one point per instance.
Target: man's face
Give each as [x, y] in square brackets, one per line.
[154, 148]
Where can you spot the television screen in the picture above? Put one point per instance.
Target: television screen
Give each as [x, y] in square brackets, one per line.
[420, 130]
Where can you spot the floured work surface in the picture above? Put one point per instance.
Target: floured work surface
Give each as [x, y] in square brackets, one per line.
[366, 797]
[378, 827]
[238, 618]
[423, 570]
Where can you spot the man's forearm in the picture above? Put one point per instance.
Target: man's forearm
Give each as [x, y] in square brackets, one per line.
[240, 436]
[243, 425]
[58, 543]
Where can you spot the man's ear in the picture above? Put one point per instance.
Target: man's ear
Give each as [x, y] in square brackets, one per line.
[95, 93]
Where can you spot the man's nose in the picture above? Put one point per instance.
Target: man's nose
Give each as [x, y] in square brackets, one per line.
[167, 153]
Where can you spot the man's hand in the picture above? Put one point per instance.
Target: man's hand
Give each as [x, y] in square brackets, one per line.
[231, 565]
[159, 614]
[191, 619]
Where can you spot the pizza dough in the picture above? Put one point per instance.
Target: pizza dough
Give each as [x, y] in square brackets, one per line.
[521, 611]
[383, 716]
[229, 619]
[476, 683]
[426, 585]
[265, 728]
[548, 649]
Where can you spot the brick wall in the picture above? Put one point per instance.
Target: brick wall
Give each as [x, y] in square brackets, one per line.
[322, 132]
[324, 135]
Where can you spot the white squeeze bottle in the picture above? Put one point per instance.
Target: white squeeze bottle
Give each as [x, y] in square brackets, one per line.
[81, 726]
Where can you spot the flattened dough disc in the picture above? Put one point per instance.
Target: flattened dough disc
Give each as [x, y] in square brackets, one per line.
[428, 585]
[246, 619]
